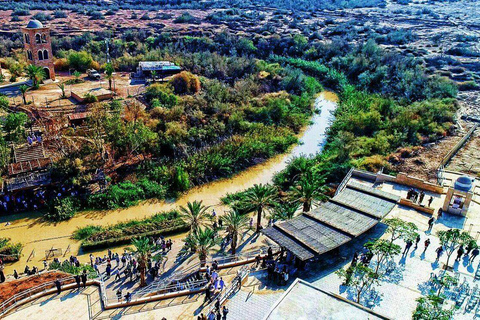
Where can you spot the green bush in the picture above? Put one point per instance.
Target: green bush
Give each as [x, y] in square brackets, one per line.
[81, 60]
[61, 209]
[10, 252]
[161, 95]
[67, 267]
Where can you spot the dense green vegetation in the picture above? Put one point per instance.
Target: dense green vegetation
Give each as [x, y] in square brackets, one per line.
[67, 267]
[10, 252]
[159, 224]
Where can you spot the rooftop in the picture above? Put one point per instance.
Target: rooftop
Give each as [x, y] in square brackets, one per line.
[305, 301]
[158, 65]
[34, 24]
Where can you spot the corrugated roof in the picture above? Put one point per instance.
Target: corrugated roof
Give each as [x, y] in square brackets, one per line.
[353, 211]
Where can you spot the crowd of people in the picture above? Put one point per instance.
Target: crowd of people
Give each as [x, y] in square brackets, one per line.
[418, 197]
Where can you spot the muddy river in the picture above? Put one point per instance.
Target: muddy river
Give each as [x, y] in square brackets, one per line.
[39, 236]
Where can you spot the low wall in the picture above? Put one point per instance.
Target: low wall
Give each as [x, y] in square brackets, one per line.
[404, 179]
[418, 207]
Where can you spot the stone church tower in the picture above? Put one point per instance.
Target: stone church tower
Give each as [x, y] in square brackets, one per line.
[38, 47]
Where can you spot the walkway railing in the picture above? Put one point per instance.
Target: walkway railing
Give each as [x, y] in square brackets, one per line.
[11, 303]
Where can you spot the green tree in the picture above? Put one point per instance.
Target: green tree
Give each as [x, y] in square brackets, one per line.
[195, 214]
[14, 126]
[383, 250]
[431, 308]
[452, 239]
[444, 281]
[23, 90]
[203, 241]
[261, 197]
[109, 70]
[308, 190]
[81, 60]
[359, 277]
[61, 209]
[36, 74]
[235, 223]
[285, 210]
[399, 229]
[142, 249]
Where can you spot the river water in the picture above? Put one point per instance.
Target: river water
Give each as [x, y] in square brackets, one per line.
[39, 236]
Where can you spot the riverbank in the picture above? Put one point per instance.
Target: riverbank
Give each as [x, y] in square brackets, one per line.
[39, 236]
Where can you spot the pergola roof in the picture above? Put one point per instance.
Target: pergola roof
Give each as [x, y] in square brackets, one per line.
[353, 211]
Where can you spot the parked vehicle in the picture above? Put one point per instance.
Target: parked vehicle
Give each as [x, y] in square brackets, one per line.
[92, 73]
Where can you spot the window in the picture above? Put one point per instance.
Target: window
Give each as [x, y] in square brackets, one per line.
[45, 54]
[29, 55]
[40, 55]
[37, 38]
[27, 38]
[44, 38]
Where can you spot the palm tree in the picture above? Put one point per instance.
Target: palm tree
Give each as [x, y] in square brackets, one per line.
[62, 87]
[308, 190]
[235, 223]
[195, 214]
[285, 210]
[261, 197]
[23, 90]
[143, 251]
[36, 74]
[203, 240]
[109, 70]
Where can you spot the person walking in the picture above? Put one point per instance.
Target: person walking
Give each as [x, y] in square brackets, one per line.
[427, 243]
[475, 253]
[58, 284]
[430, 201]
[430, 223]
[417, 241]
[15, 274]
[439, 252]
[407, 247]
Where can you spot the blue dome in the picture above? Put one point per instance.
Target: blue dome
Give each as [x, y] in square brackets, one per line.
[34, 24]
[464, 183]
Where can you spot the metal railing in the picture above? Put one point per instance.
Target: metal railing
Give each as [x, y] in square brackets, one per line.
[229, 291]
[12, 302]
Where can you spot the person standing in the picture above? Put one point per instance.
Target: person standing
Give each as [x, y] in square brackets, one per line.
[422, 196]
[475, 253]
[225, 312]
[84, 278]
[427, 243]
[407, 246]
[77, 280]
[15, 274]
[439, 252]
[430, 223]
[58, 284]
[460, 253]
[417, 241]
[430, 201]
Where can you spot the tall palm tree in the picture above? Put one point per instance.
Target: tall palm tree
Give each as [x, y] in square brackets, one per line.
[143, 251]
[36, 74]
[308, 190]
[195, 214]
[285, 210]
[23, 90]
[109, 70]
[235, 223]
[203, 240]
[261, 197]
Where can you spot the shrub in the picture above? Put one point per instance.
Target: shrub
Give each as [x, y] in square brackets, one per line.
[81, 60]
[67, 267]
[185, 83]
[61, 209]
[160, 95]
[90, 98]
[10, 252]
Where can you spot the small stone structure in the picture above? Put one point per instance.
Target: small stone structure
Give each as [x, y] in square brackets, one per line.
[38, 47]
[459, 196]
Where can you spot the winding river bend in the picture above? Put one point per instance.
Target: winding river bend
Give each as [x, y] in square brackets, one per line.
[40, 236]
